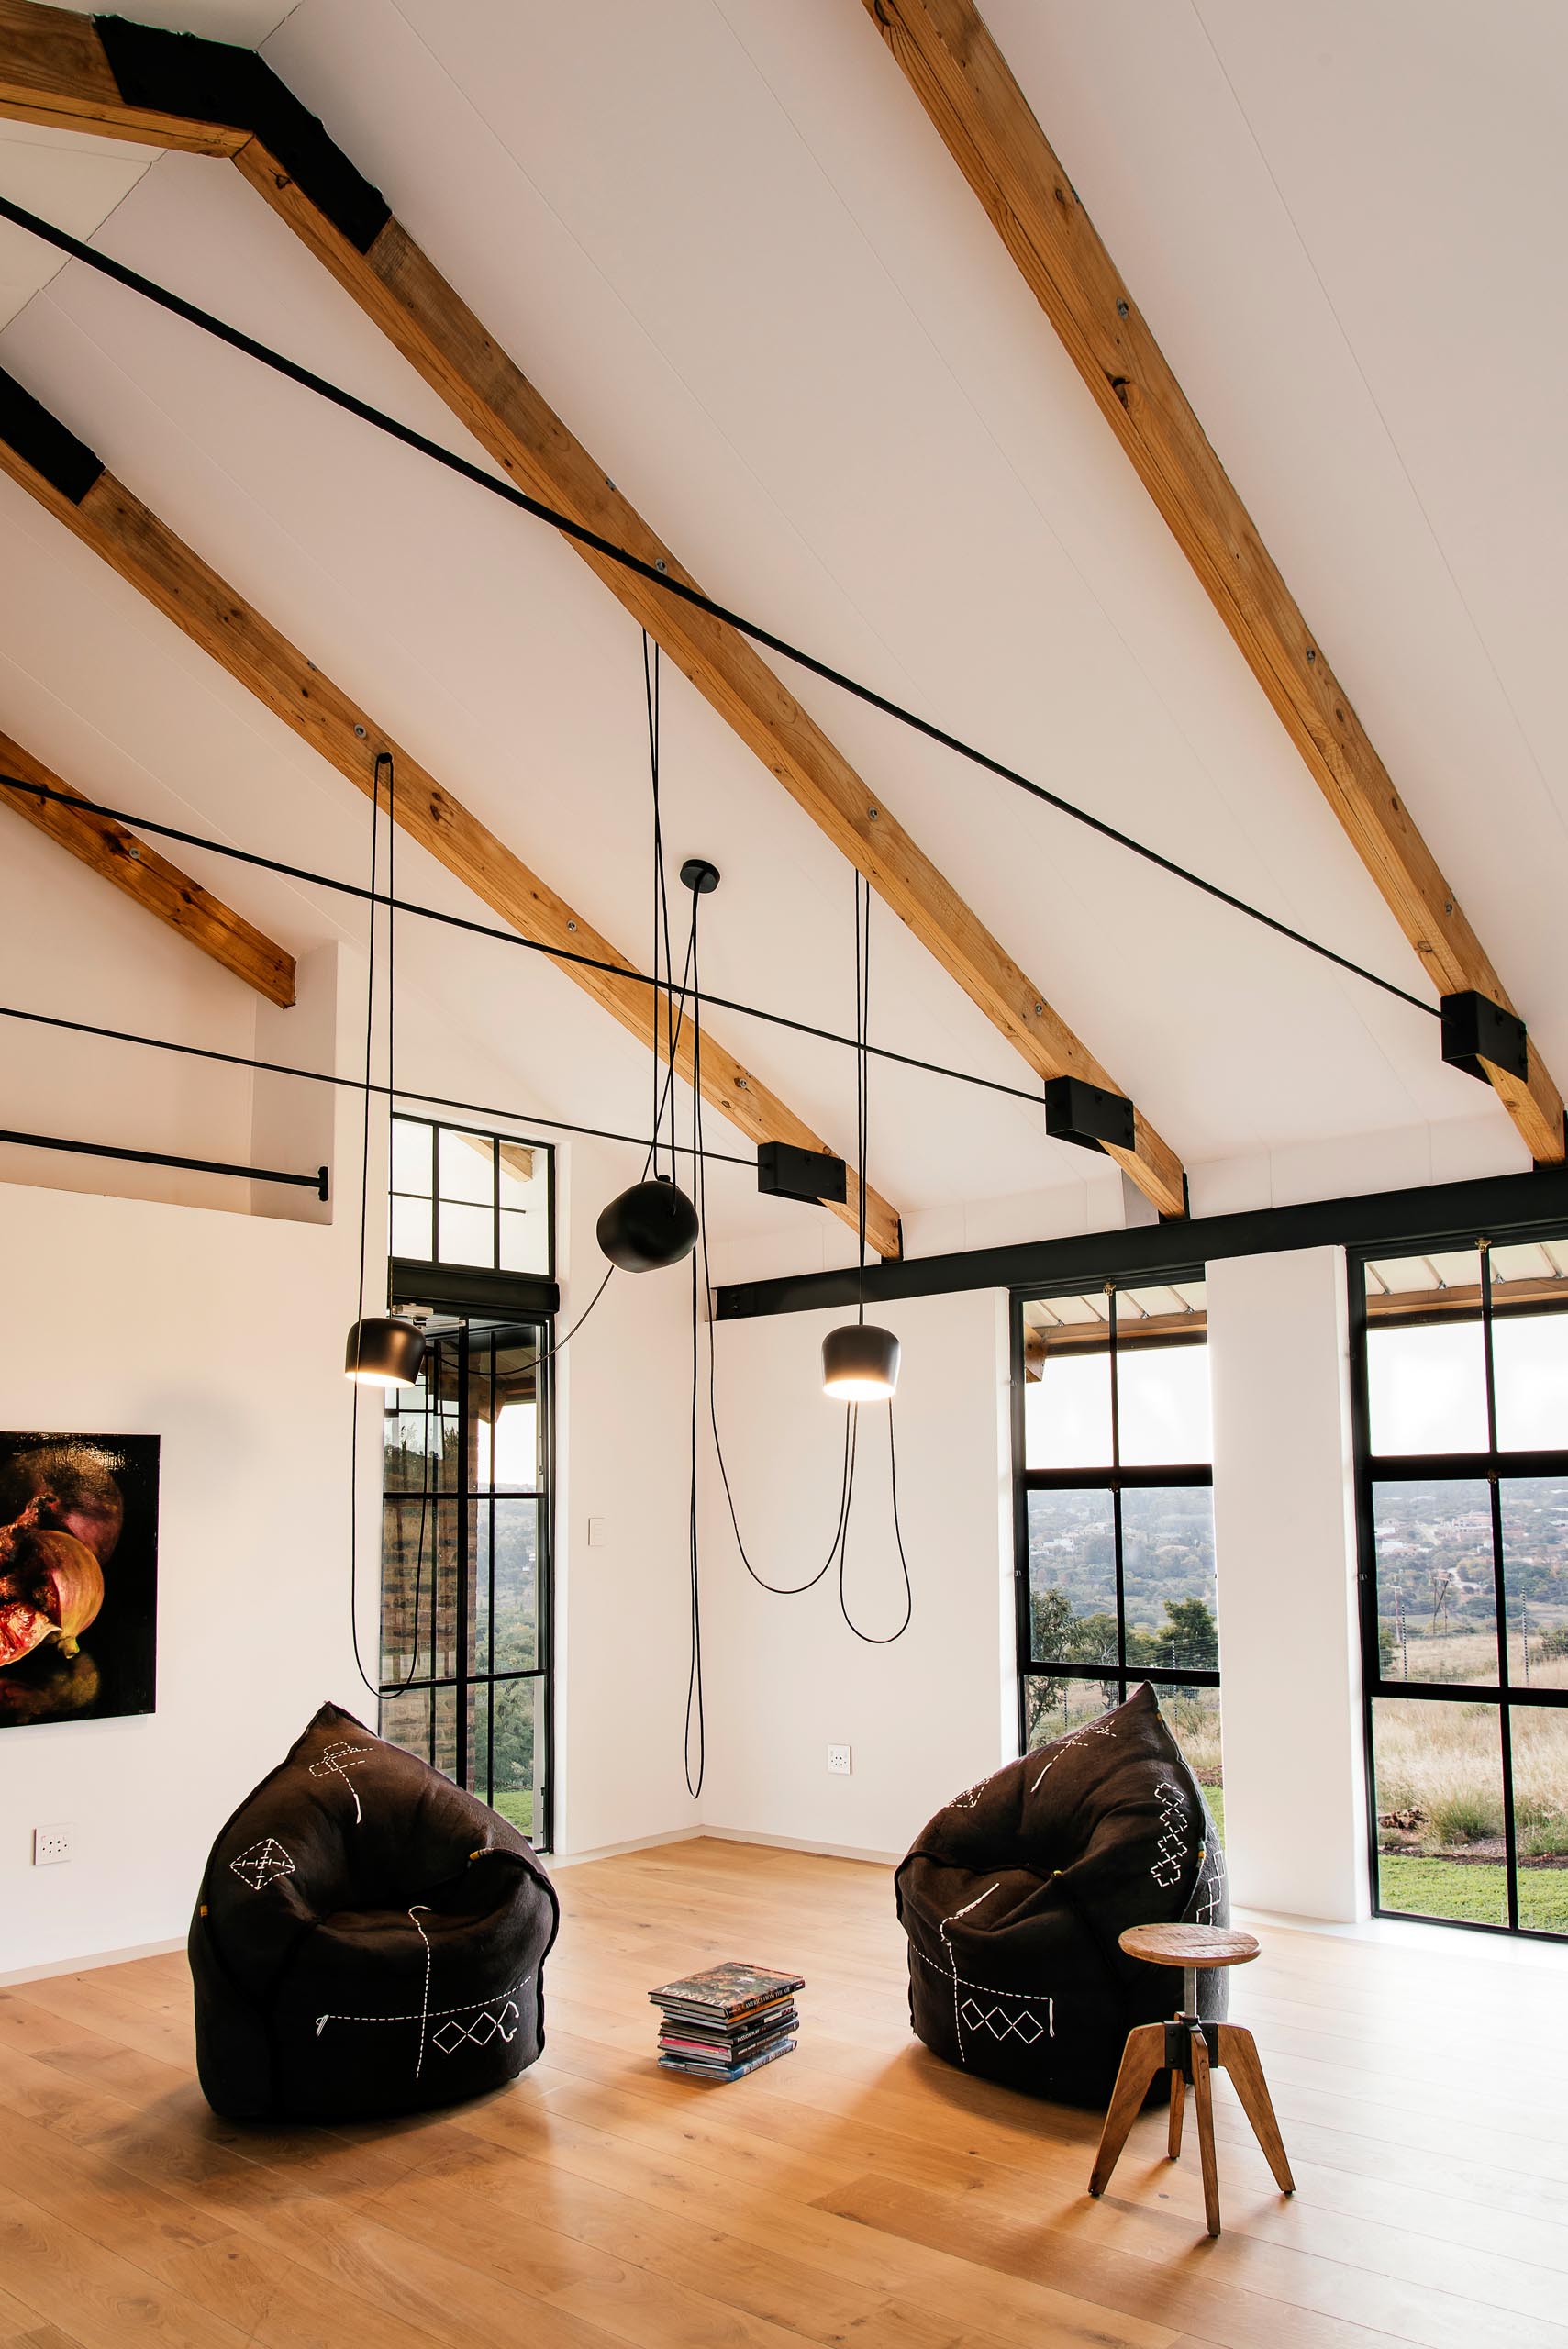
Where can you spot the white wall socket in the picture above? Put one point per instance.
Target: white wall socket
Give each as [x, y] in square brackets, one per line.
[839, 1760]
[50, 1845]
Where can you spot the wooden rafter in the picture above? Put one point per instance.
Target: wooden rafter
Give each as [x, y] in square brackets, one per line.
[137, 867]
[132, 541]
[48, 67]
[963, 82]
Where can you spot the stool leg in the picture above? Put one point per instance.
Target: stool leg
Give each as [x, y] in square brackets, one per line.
[1239, 2055]
[1178, 2098]
[1203, 2101]
[1143, 2055]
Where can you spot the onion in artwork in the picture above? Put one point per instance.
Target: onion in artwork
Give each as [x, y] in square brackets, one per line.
[52, 1588]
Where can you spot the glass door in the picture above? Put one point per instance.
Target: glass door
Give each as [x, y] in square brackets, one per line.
[466, 1558]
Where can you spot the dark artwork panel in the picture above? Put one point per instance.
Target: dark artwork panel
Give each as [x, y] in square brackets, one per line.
[78, 1576]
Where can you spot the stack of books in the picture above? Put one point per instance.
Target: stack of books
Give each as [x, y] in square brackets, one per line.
[728, 2022]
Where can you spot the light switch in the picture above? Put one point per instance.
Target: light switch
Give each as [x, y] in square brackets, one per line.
[598, 1532]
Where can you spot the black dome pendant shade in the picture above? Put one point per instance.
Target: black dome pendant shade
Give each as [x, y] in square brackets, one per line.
[384, 1349]
[650, 1226]
[860, 1364]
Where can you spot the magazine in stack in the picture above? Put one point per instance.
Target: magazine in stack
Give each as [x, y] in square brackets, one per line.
[728, 2022]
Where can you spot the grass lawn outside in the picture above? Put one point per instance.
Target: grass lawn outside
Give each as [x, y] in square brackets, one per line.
[1472, 1892]
[517, 1807]
[1467, 1892]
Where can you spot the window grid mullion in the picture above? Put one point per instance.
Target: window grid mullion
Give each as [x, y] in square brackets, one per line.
[1114, 1480]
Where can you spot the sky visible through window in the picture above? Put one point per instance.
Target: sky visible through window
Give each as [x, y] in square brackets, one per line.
[1427, 1386]
[1164, 1409]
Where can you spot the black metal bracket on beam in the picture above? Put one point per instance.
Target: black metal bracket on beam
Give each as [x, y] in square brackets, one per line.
[318, 1182]
[1479, 1035]
[784, 1172]
[1087, 1115]
[1434, 1216]
[42, 441]
[214, 81]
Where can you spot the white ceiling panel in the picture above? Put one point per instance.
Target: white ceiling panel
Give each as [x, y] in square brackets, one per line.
[724, 241]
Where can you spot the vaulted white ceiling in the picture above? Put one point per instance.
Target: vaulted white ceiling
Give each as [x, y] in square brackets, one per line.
[724, 241]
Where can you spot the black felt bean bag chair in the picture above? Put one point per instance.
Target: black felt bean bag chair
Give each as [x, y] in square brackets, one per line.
[369, 1938]
[1014, 1897]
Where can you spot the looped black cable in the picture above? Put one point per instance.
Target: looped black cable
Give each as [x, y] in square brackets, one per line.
[838, 1549]
[881, 1639]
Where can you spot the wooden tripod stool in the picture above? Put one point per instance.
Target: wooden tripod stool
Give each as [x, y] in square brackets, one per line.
[1190, 2049]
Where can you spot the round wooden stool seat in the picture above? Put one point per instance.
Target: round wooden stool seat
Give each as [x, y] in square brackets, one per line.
[1189, 1946]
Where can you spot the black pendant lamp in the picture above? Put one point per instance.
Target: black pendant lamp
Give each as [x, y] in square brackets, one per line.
[859, 1361]
[860, 1364]
[654, 1224]
[650, 1226]
[383, 1349]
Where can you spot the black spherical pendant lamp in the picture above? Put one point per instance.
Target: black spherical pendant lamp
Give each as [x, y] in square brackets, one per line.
[650, 1226]
[860, 1364]
[384, 1349]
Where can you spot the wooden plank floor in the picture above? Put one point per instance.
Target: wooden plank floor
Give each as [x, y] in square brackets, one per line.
[860, 2192]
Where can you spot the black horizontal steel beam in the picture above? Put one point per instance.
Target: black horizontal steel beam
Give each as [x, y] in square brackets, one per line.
[1436, 1215]
[474, 1292]
[316, 1182]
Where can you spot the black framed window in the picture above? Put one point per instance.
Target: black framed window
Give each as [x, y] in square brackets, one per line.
[1114, 1511]
[466, 1583]
[1461, 1362]
[464, 1198]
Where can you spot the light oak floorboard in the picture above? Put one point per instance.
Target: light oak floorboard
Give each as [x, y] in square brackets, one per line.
[858, 2193]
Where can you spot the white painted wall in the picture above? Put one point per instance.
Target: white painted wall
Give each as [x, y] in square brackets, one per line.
[785, 1676]
[73, 947]
[622, 1460]
[222, 1334]
[1284, 1534]
[937, 1710]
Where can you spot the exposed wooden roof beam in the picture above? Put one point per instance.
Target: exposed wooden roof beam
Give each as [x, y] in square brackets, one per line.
[105, 516]
[963, 82]
[53, 71]
[137, 867]
[47, 63]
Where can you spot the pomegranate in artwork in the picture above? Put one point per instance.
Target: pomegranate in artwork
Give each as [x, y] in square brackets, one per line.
[52, 1588]
[67, 1487]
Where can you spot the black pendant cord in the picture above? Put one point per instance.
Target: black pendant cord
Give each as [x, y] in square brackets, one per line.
[696, 1716]
[862, 1146]
[651, 696]
[383, 1689]
[385, 759]
[847, 1471]
[364, 1226]
[566, 1337]
[839, 1547]
[670, 584]
[863, 1107]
